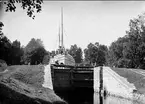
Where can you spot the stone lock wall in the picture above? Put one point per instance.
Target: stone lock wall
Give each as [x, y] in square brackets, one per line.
[113, 83]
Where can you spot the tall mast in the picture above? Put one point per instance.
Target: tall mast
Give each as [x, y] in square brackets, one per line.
[62, 28]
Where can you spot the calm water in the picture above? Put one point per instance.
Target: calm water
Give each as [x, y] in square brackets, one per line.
[114, 100]
[87, 96]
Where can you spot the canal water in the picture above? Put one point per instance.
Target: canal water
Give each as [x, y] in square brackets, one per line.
[87, 96]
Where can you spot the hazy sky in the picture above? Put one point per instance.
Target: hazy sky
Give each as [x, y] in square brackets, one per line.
[84, 22]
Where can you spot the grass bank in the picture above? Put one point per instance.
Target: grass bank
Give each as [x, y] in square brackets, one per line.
[23, 84]
[135, 78]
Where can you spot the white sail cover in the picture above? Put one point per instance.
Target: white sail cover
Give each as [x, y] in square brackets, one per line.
[64, 59]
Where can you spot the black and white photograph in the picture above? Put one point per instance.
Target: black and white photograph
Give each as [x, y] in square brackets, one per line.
[72, 52]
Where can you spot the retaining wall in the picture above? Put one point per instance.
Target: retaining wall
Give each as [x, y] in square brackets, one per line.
[113, 83]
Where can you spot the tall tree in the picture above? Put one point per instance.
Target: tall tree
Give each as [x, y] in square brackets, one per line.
[5, 49]
[37, 55]
[34, 52]
[136, 44]
[5, 46]
[16, 52]
[128, 51]
[95, 54]
[116, 51]
[33, 44]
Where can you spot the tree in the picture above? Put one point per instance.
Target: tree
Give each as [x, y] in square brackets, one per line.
[136, 44]
[95, 54]
[5, 46]
[10, 52]
[102, 55]
[46, 59]
[34, 52]
[37, 55]
[33, 44]
[16, 52]
[91, 53]
[76, 53]
[128, 51]
[1, 25]
[115, 52]
[5, 49]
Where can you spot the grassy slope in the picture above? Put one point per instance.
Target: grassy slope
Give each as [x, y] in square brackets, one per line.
[28, 74]
[137, 79]
[27, 80]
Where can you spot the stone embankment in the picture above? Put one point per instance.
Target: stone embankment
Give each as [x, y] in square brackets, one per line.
[47, 77]
[113, 83]
[117, 86]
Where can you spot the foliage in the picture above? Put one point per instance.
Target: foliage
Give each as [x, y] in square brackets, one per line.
[53, 53]
[1, 25]
[46, 59]
[33, 44]
[30, 5]
[16, 52]
[76, 53]
[37, 55]
[34, 52]
[10, 52]
[128, 51]
[3, 65]
[95, 54]
[5, 49]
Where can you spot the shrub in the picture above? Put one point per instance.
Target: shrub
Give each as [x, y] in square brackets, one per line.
[3, 65]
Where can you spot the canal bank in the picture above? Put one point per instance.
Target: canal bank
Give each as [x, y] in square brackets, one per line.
[108, 81]
[105, 79]
[22, 84]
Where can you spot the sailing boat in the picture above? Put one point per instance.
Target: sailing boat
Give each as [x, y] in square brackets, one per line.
[65, 74]
[62, 58]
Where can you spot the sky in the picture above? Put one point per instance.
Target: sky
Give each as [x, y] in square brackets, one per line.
[84, 22]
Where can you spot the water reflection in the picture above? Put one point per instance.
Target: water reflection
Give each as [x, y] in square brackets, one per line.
[77, 95]
[113, 100]
[87, 96]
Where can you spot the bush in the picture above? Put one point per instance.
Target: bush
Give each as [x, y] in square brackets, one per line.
[3, 65]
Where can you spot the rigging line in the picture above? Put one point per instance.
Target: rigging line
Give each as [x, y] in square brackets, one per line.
[56, 39]
[55, 44]
[64, 32]
[65, 36]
